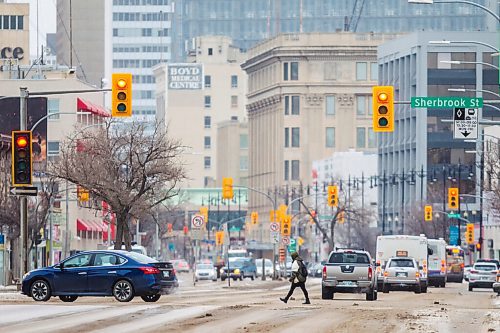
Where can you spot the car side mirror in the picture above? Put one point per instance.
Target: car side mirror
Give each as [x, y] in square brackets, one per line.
[60, 266]
[430, 251]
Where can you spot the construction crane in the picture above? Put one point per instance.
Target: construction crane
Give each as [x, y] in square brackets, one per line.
[352, 24]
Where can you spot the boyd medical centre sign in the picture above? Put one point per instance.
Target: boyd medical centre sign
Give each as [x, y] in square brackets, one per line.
[185, 76]
[446, 102]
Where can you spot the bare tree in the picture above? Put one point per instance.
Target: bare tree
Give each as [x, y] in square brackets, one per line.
[129, 166]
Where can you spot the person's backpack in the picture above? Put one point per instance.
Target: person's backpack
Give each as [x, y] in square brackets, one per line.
[303, 270]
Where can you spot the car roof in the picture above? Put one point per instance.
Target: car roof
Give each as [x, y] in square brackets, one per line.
[405, 258]
[485, 263]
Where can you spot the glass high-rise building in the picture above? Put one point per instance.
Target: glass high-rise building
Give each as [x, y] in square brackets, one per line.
[249, 22]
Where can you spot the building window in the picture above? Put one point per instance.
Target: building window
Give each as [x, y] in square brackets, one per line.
[234, 81]
[234, 101]
[208, 162]
[208, 81]
[20, 22]
[208, 101]
[360, 137]
[292, 105]
[295, 170]
[208, 122]
[361, 71]
[295, 137]
[287, 170]
[372, 138]
[243, 163]
[373, 71]
[53, 148]
[243, 141]
[360, 106]
[53, 107]
[206, 180]
[291, 71]
[287, 137]
[330, 137]
[370, 105]
[330, 105]
[207, 142]
[210, 51]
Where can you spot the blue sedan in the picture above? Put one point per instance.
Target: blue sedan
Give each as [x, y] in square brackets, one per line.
[120, 274]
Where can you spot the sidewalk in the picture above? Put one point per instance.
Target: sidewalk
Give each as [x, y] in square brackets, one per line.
[8, 289]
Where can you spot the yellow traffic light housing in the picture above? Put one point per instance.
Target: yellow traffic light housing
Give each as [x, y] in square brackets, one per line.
[286, 225]
[341, 217]
[204, 213]
[227, 188]
[383, 108]
[121, 95]
[22, 163]
[333, 198]
[469, 233]
[453, 198]
[254, 217]
[428, 213]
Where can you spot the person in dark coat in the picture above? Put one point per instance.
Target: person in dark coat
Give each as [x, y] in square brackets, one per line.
[297, 279]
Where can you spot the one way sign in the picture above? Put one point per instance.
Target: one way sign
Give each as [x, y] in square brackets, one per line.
[465, 123]
[26, 190]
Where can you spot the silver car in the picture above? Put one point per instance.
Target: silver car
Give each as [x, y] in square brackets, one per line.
[401, 273]
[482, 275]
[205, 272]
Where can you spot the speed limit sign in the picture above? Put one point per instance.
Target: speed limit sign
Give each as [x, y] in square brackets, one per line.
[197, 221]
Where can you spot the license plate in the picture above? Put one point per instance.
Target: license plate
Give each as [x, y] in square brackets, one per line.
[346, 283]
[484, 278]
[166, 273]
[401, 274]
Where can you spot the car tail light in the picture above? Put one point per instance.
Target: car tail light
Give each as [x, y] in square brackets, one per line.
[443, 266]
[324, 272]
[386, 273]
[149, 270]
[417, 274]
[370, 273]
[494, 272]
[173, 271]
[462, 266]
[473, 271]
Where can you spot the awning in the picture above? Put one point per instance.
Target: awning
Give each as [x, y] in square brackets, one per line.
[82, 225]
[86, 106]
[96, 226]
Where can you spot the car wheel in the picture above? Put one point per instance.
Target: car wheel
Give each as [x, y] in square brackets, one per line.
[214, 280]
[385, 288]
[68, 298]
[151, 298]
[123, 291]
[418, 289]
[223, 279]
[423, 289]
[326, 293]
[253, 276]
[40, 291]
[470, 287]
[371, 295]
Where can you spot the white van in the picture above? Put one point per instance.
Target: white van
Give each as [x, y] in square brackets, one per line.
[437, 262]
[135, 248]
[402, 246]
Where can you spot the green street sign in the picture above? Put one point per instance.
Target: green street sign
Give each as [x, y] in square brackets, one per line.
[453, 215]
[234, 229]
[326, 217]
[446, 102]
[293, 245]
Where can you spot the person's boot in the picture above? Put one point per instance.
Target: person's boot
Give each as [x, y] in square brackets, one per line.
[284, 300]
[307, 301]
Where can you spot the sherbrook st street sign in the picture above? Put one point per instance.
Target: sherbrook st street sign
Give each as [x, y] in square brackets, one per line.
[446, 102]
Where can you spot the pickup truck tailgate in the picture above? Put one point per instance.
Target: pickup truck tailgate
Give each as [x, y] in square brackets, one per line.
[347, 272]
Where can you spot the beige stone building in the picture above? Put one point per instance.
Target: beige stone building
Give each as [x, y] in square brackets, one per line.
[14, 34]
[232, 151]
[192, 114]
[309, 95]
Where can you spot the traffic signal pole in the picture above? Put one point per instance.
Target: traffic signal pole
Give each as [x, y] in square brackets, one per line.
[23, 223]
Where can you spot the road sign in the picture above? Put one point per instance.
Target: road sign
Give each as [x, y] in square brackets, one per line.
[446, 102]
[465, 123]
[285, 240]
[25, 190]
[453, 215]
[274, 227]
[454, 234]
[275, 237]
[293, 245]
[197, 221]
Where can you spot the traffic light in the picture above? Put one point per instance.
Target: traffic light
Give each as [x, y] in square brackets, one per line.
[286, 225]
[185, 229]
[227, 188]
[170, 228]
[204, 213]
[219, 238]
[383, 108]
[478, 246]
[272, 216]
[341, 217]
[428, 213]
[333, 198]
[469, 233]
[22, 166]
[254, 217]
[121, 95]
[82, 194]
[453, 198]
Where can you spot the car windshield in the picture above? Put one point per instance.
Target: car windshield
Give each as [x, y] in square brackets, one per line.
[141, 258]
[401, 263]
[348, 258]
[204, 266]
[236, 263]
[485, 267]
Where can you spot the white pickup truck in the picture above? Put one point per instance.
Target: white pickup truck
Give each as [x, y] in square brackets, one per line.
[349, 271]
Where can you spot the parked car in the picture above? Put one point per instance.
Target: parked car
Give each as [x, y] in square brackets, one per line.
[205, 271]
[495, 261]
[121, 274]
[401, 273]
[467, 269]
[315, 270]
[181, 265]
[483, 275]
[349, 271]
[268, 267]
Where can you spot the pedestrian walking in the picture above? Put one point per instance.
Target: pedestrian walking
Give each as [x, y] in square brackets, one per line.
[298, 278]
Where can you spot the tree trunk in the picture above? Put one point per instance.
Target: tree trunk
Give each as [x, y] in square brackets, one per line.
[126, 235]
[119, 231]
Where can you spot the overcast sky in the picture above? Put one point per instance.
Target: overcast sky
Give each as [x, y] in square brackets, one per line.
[46, 22]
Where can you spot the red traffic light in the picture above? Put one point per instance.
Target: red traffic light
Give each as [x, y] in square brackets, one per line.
[21, 141]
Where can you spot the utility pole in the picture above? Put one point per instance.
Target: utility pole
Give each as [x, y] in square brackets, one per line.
[23, 223]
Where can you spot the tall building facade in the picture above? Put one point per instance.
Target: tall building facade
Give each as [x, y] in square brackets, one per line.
[14, 33]
[309, 95]
[249, 22]
[420, 160]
